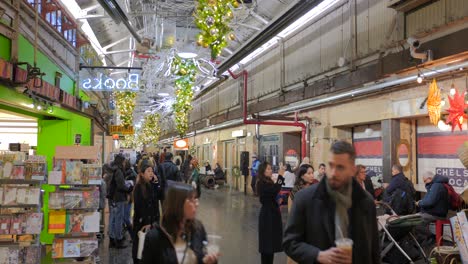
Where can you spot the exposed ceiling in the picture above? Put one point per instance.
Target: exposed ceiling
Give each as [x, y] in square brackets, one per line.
[169, 24]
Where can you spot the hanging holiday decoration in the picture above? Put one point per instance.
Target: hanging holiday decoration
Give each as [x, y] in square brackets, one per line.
[212, 17]
[150, 129]
[456, 110]
[434, 103]
[125, 104]
[185, 72]
[129, 142]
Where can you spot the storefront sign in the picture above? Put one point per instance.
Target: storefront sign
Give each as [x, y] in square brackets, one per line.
[76, 152]
[238, 133]
[457, 177]
[291, 158]
[181, 144]
[129, 130]
[105, 83]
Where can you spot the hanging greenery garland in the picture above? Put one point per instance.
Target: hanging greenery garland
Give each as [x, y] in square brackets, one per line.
[212, 17]
[128, 142]
[150, 129]
[126, 104]
[185, 72]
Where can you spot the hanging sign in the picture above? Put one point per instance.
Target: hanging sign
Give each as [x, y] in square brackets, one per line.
[124, 130]
[98, 81]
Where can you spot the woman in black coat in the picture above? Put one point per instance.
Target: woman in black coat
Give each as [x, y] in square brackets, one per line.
[146, 204]
[270, 226]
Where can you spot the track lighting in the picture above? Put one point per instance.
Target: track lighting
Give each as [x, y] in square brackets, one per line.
[420, 78]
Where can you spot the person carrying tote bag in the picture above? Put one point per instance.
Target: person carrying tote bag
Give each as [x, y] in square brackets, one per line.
[146, 198]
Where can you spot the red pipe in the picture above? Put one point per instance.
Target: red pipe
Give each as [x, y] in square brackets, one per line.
[296, 123]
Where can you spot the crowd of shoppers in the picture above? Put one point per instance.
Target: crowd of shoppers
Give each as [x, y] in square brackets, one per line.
[324, 207]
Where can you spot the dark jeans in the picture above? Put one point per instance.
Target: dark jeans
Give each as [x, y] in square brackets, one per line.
[128, 208]
[267, 258]
[253, 184]
[116, 220]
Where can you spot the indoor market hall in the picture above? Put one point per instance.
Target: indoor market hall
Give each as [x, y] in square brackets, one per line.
[233, 131]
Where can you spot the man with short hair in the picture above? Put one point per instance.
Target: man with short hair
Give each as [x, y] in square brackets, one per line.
[321, 171]
[169, 169]
[400, 192]
[337, 207]
[435, 204]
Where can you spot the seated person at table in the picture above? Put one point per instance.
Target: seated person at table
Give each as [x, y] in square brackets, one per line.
[400, 192]
[435, 204]
[207, 166]
[218, 172]
[363, 180]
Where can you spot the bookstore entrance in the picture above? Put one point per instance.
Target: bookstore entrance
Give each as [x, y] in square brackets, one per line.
[18, 132]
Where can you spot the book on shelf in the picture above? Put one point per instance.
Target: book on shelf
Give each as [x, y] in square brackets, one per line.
[55, 177]
[88, 247]
[92, 173]
[18, 225]
[5, 225]
[91, 221]
[91, 198]
[34, 223]
[21, 196]
[30, 255]
[7, 168]
[56, 200]
[33, 195]
[71, 248]
[72, 199]
[9, 255]
[9, 197]
[57, 248]
[1, 195]
[35, 170]
[75, 222]
[73, 172]
[57, 222]
[17, 172]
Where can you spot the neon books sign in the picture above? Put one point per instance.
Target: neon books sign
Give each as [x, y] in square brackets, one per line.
[105, 83]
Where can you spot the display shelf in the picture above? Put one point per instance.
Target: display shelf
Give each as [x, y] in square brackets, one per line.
[19, 206]
[19, 181]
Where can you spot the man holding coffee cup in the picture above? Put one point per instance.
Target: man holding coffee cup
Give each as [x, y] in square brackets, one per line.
[334, 221]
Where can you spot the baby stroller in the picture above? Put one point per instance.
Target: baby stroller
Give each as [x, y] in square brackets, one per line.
[397, 241]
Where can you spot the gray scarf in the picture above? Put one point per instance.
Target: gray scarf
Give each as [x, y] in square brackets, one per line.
[343, 201]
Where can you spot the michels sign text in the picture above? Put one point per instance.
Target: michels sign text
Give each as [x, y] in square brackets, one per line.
[102, 82]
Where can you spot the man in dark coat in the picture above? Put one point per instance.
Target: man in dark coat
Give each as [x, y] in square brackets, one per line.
[435, 204]
[325, 212]
[400, 192]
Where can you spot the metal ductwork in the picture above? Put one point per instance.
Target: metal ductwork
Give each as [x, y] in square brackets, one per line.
[272, 29]
[382, 85]
[117, 14]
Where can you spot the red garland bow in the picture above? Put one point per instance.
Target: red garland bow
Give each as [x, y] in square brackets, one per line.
[456, 110]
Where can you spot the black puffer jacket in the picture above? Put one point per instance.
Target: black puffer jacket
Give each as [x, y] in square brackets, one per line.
[117, 188]
[159, 249]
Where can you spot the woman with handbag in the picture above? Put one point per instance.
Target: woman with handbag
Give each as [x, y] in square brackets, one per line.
[270, 226]
[146, 204]
[180, 239]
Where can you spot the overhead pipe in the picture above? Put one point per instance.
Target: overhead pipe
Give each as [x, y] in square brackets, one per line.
[295, 123]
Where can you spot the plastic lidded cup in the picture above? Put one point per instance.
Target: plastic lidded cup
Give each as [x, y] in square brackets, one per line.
[213, 244]
[345, 244]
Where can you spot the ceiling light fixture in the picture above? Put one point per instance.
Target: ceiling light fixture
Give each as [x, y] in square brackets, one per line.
[163, 94]
[420, 78]
[187, 55]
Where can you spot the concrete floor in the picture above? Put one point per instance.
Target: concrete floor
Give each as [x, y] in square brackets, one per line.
[231, 215]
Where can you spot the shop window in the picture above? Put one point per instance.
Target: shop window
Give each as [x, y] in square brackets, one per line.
[367, 141]
[437, 152]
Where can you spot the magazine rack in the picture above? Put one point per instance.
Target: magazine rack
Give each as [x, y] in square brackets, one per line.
[73, 216]
[20, 207]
